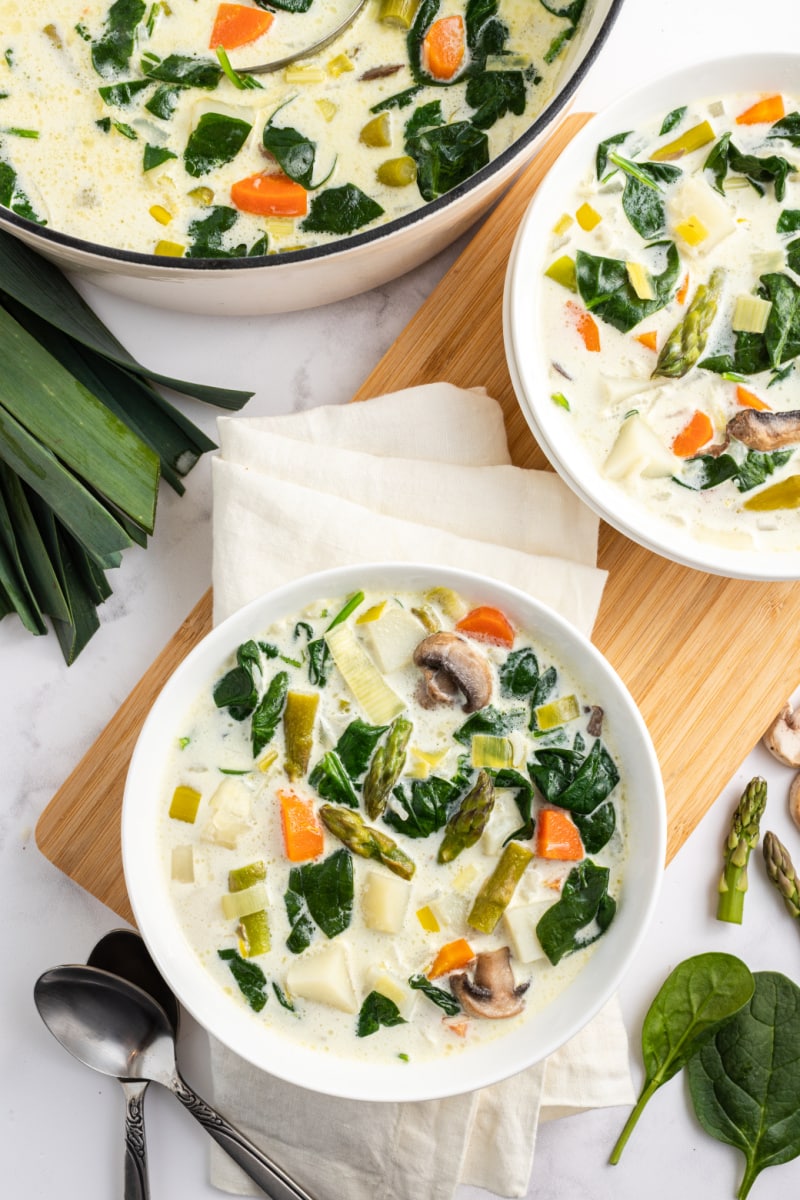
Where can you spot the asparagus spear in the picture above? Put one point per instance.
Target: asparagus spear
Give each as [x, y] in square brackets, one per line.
[469, 820]
[742, 838]
[494, 897]
[365, 841]
[686, 343]
[781, 871]
[386, 766]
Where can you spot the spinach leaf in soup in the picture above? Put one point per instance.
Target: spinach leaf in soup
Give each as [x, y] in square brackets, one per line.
[596, 827]
[123, 94]
[582, 913]
[340, 210]
[696, 1000]
[249, 977]
[519, 673]
[745, 1081]
[446, 156]
[788, 129]
[759, 170]
[186, 70]
[672, 120]
[642, 198]
[573, 781]
[206, 236]
[485, 33]
[112, 51]
[424, 117]
[293, 152]
[603, 148]
[332, 781]
[606, 290]
[571, 13]
[295, 6]
[489, 720]
[12, 196]
[706, 471]
[214, 141]
[164, 101]
[438, 996]
[237, 689]
[494, 94]
[319, 893]
[424, 807]
[356, 744]
[268, 712]
[377, 1010]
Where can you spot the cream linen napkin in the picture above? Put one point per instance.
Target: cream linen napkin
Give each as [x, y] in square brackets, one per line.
[422, 475]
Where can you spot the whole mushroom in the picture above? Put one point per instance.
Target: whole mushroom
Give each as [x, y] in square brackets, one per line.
[783, 736]
[492, 992]
[451, 665]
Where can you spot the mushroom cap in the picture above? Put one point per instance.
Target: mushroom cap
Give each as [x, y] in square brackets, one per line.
[492, 992]
[451, 664]
[783, 736]
[794, 800]
[762, 430]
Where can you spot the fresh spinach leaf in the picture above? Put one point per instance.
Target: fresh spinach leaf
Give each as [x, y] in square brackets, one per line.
[294, 6]
[494, 94]
[788, 221]
[519, 674]
[214, 141]
[122, 94]
[164, 101]
[237, 690]
[341, 210]
[377, 1010]
[596, 827]
[249, 976]
[744, 1083]
[793, 256]
[425, 806]
[154, 156]
[332, 781]
[717, 162]
[601, 156]
[485, 33]
[444, 1000]
[554, 768]
[399, 100]
[642, 198]
[268, 712]
[571, 13]
[113, 49]
[282, 998]
[446, 156]
[578, 783]
[782, 333]
[759, 170]
[12, 196]
[606, 290]
[425, 16]
[293, 152]
[206, 236]
[184, 69]
[672, 120]
[489, 720]
[423, 117]
[356, 745]
[695, 1001]
[323, 892]
[787, 128]
[301, 934]
[584, 902]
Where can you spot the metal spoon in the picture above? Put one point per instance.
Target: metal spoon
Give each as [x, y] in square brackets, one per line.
[116, 1028]
[306, 51]
[123, 953]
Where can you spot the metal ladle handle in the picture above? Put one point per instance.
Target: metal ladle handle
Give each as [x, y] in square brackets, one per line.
[307, 51]
[268, 1175]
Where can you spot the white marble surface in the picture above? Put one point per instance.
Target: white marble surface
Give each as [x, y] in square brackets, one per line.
[60, 1129]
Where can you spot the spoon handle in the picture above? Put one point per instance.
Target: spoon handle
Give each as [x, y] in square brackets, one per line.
[136, 1185]
[268, 1175]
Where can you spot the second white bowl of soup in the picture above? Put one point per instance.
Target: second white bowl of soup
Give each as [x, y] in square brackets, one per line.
[393, 832]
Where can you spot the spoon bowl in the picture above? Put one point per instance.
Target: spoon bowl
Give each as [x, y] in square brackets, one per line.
[117, 1028]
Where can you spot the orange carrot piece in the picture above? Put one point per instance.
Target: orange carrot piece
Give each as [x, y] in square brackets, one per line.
[443, 47]
[649, 339]
[236, 25]
[451, 956]
[459, 1028]
[693, 436]
[270, 195]
[487, 624]
[557, 836]
[303, 837]
[683, 290]
[769, 109]
[586, 326]
[750, 400]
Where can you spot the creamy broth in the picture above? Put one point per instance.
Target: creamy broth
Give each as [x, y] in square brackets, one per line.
[400, 918]
[656, 423]
[139, 167]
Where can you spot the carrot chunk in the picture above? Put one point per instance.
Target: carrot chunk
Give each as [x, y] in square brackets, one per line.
[769, 109]
[557, 836]
[586, 326]
[443, 47]
[270, 195]
[682, 291]
[451, 957]
[649, 339]
[487, 624]
[303, 837]
[695, 433]
[750, 400]
[236, 25]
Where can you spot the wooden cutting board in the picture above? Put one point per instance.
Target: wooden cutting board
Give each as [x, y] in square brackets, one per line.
[708, 660]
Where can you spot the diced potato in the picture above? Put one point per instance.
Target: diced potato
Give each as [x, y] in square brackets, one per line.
[183, 864]
[465, 877]
[639, 451]
[323, 976]
[394, 637]
[230, 813]
[449, 910]
[380, 980]
[520, 926]
[694, 200]
[384, 901]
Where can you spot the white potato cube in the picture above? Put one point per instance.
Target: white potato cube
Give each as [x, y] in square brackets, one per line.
[230, 806]
[384, 901]
[394, 637]
[520, 925]
[324, 976]
[694, 198]
[638, 450]
[183, 864]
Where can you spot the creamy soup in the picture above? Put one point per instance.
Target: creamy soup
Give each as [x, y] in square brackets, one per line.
[392, 826]
[671, 313]
[135, 124]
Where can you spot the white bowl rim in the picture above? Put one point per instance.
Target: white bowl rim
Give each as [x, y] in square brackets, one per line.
[480, 1066]
[735, 72]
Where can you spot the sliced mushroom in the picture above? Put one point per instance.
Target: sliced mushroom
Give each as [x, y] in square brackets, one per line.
[762, 430]
[783, 736]
[794, 800]
[492, 992]
[595, 725]
[450, 664]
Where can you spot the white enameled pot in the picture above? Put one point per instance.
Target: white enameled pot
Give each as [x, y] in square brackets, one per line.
[309, 278]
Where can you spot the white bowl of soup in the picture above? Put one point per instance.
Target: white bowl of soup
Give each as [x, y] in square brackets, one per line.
[138, 155]
[649, 316]
[393, 832]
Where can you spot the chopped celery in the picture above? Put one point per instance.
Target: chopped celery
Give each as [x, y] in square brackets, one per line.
[184, 805]
[236, 905]
[563, 272]
[427, 919]
[378, 131]
[398, 12]
[240, 878]
[299, 74]
[380, 703]
[750, 314]
[182, 867]
[397, 172]
[587, 217]
[557, 712]
[489, 750]
[691, 139]
[254, 934]
[298, 727]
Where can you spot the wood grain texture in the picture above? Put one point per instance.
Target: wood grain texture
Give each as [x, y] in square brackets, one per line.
[708, 660]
